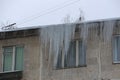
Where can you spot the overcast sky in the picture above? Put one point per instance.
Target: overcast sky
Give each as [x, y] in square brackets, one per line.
[44, 12]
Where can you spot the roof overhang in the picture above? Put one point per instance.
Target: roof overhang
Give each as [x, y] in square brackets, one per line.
[35, 30]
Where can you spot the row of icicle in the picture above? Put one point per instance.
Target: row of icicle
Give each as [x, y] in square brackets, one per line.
[60, 36]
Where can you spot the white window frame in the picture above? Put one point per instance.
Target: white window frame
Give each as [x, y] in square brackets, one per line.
[77, 56]
[113, 50]
[13, 59]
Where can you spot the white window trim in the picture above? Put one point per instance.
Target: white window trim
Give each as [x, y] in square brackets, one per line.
[13, 59]
[77, 55]
[114, 47]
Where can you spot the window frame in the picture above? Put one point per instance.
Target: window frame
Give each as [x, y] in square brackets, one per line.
[113, 49]
[13, 57]
[77, 56]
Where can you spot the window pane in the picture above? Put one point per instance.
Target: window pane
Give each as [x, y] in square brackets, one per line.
[59, 61]
[19, 58]
[116, 49]
[82, 54]
[8, 49]
[8, 56]
[71, 55]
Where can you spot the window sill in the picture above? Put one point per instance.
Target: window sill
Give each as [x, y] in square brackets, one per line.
[11, 71]
[71, 67]
[11, 75]
[116, 62]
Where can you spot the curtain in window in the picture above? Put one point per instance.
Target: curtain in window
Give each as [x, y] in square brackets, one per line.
[8, 56]
[19, 58]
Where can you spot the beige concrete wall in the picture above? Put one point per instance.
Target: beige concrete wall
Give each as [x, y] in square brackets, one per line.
[31, 55]
[98, 58]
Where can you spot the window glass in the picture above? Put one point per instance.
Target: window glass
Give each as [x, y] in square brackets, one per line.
[18, 58]
[13, 58]
[116, 49]
[73, 58]
[8, 49]
[71, 55]
[59, 61]
[82, 54]
[8, 56]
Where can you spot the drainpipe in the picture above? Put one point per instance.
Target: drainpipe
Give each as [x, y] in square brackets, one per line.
[41, 57]
[41, 63]
[99, 58]
[99, 63]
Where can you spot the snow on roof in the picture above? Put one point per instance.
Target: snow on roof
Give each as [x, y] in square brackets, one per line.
[38, 27]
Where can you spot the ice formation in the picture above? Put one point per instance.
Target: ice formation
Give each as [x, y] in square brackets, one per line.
[59, 36]
[108, 30]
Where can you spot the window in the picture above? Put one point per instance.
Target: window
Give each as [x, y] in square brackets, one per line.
[12, 58]
[75, 57]
[116, 49]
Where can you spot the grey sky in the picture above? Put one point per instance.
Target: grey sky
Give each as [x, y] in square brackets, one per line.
[21, 11]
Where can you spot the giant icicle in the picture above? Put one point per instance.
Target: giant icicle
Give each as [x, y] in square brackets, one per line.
[59, 36]
[84, 32]
[108, 30]
[55, 36]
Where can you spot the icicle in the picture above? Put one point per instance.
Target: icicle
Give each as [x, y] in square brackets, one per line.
[69, 34]
[84, 32]
[87, 31]
[94, 30]
[55, 36]
[108, 30]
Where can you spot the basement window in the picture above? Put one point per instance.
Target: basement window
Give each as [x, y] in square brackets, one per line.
[12, 58]
[76, 56]
[116, 49]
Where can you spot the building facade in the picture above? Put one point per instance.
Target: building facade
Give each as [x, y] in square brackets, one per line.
[23, 56]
